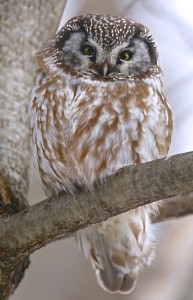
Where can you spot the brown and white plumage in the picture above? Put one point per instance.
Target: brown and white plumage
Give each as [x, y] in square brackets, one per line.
[97, 106]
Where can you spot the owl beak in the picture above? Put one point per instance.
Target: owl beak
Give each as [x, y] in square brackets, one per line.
[105, 69]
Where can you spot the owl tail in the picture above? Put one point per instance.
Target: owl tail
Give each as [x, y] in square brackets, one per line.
[117, 280]
[118, 248]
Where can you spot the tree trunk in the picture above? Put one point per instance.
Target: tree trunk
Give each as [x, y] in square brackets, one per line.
[23, 25]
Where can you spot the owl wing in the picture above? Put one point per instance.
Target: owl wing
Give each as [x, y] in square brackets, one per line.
[50, 132]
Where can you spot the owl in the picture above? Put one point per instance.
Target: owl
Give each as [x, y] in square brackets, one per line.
[97, 106]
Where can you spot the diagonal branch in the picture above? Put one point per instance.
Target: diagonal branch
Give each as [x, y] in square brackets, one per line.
[129, 188]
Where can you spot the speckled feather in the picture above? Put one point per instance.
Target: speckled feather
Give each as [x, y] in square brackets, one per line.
[85, 127]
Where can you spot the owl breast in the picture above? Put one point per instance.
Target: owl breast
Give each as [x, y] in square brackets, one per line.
[95, 130]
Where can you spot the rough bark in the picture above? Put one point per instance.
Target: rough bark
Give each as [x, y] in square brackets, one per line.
[175, 207]
[129, 188]
[23, 24]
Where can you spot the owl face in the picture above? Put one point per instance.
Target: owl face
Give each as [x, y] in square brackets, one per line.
[105, 46]
[88, 56]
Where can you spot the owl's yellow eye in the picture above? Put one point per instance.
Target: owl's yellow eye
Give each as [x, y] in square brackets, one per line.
[125, 55]
[88, 50]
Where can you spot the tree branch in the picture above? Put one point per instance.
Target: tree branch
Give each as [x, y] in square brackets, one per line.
[129, 188]
[175, 207]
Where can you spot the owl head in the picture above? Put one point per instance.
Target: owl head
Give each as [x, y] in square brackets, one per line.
[102, 46]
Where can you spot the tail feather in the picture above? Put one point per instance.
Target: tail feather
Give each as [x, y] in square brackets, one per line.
[118, 283]
[118, 248]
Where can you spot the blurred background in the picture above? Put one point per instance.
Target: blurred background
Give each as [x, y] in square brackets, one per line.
[59, 271]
